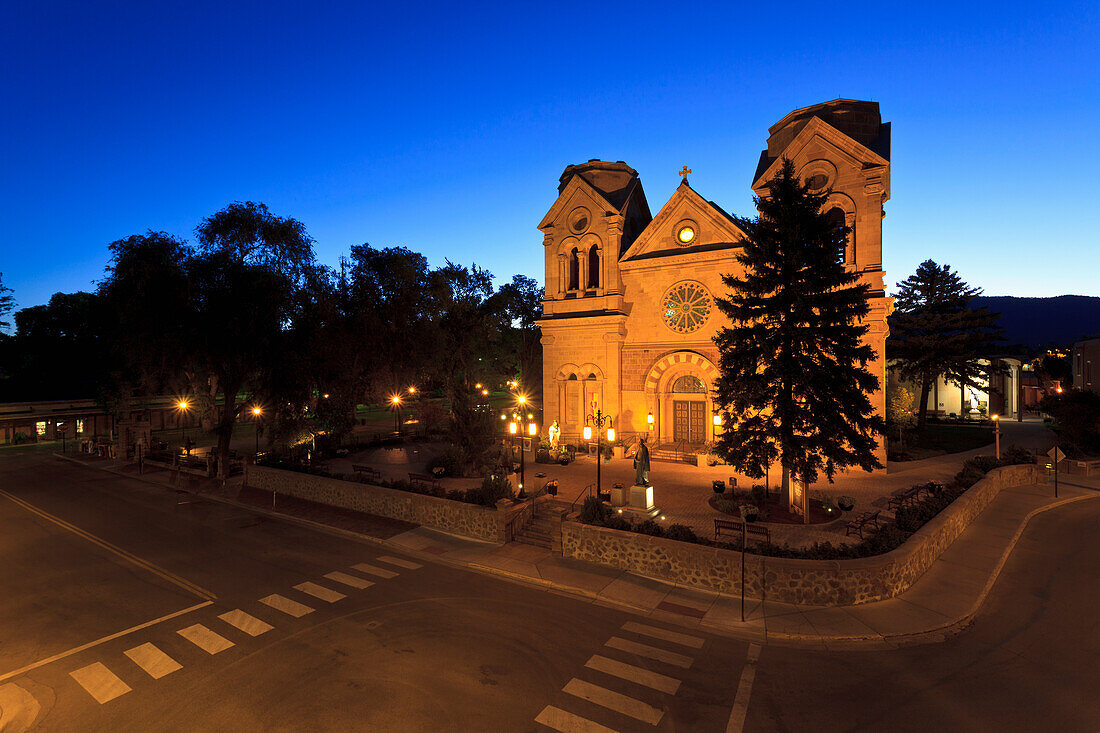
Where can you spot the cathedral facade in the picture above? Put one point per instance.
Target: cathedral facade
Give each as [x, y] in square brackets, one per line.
[629, 312]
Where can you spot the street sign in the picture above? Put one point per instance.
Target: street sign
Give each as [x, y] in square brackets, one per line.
[1056, 454]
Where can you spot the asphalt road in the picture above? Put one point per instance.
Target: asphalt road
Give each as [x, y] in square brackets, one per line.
[100, 574]
[427, 648]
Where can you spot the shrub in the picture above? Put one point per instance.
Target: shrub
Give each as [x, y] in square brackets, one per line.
[727, 506]
[617, 521]
[1015, 455]
[493, 488]
[456, 495]
[449, 459]
[758, 493]
[594, 511]
[681, 532]
[651, 528]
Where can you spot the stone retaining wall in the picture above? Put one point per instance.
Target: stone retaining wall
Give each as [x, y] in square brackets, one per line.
[457, 517]
[813, 582]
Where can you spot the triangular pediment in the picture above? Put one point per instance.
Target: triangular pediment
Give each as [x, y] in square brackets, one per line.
[714, 228]
[845, 147]
[578, 192]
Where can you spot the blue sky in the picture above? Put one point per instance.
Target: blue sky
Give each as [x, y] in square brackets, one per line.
[444, 128]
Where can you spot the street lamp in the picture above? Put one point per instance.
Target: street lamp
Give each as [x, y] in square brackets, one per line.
[396, 402]
[182, 406]
[997, 433]
[717, 420]
[598, 420]
[256, 412]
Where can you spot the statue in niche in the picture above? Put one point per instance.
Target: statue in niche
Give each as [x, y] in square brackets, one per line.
[554, 433]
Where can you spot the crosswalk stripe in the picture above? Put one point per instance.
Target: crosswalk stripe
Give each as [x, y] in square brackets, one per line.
[629, 672]
[348, 579]
[566, 722]
[205, 639]
[320, 591]
[247, 623]
[100, 682]
[287, 606]
[693, 641]
[155, 662]
[613, 701]
[374, 570]
[401, 562]
[645, 650]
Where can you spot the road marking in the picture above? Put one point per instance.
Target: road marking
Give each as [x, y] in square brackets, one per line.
[401, 563]
[740, 709]
[566, 722]
[205, 639]
[319, 591]
[348, 579]
[97, 642]
[631, 673]
[613, 701]
[287, 606]
[644, 650]
[128, 556]
[372, 570]
[153, 660]
[246, 622]
[693, 641]
[100, 682]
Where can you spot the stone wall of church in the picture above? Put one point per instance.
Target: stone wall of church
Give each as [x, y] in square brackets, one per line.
[813, 582]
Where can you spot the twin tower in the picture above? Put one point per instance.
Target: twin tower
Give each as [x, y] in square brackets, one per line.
[629, 312]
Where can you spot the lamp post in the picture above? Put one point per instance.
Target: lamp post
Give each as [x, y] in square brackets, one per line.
[181, 408]
[997, 434]
[598, 420]
[256, 412]
[396, 402]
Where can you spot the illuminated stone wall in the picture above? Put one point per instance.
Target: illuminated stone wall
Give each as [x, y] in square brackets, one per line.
[812, 582]
[456, 517]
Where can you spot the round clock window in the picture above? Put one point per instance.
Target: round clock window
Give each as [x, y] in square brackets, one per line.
[686, 307]
[686, 234]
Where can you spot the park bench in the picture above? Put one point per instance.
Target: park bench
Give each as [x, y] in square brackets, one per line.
[762, 534]
[903, 498]
[425, 482]
[366, 472]
[857, 524]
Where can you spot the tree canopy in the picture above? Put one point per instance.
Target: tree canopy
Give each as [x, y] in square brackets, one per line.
[793, 382]
[934, 332]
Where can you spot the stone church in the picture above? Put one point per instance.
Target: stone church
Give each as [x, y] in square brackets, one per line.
[629, 311]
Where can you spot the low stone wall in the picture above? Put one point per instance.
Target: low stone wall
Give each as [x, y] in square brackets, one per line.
[457, 517]
[812, 582]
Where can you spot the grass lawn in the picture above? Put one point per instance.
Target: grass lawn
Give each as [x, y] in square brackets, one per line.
[940, 438]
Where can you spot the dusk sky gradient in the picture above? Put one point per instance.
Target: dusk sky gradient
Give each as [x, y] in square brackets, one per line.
[444, 128]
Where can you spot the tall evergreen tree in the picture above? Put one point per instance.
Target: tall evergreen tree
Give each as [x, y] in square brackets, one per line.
[7, 302]
[934, 332]
[793, 381]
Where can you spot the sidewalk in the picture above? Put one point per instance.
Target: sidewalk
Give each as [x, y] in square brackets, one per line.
[940, 603]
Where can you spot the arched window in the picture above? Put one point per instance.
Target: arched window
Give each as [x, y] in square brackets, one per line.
[574, 270]
[689, 384]
[594, 267]
[572, 377]
[835, 216]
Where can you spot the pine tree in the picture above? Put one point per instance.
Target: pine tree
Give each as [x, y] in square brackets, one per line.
[794, 383]
[934, 332]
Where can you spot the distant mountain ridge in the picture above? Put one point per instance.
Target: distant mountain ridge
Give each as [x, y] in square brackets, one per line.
[1037, 322]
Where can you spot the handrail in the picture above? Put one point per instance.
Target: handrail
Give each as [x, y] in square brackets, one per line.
[586, 490]
[510, 529]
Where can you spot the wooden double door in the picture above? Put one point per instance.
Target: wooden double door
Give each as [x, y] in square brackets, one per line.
[689, 421]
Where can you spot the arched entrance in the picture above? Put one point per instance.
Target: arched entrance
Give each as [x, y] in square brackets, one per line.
[678, 394]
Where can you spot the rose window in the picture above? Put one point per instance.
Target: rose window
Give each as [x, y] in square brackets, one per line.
[686, 307]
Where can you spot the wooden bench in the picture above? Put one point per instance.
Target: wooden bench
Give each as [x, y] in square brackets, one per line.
[903, 498]
[425, 481]
[366, 472]
[857, 524]
[759, 533]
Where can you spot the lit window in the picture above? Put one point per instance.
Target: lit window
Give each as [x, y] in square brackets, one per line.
[80, 426]
[40, 428]
[685, 235]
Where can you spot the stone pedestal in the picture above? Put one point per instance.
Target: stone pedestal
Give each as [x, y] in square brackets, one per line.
[620, 496]
[641, 503]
